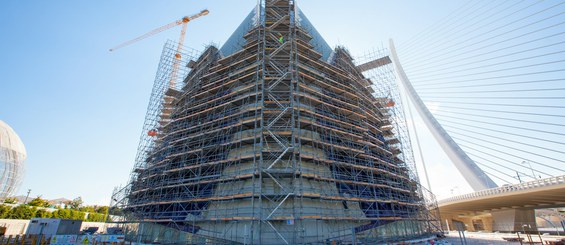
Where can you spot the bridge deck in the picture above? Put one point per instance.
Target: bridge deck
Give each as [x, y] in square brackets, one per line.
[542, 193]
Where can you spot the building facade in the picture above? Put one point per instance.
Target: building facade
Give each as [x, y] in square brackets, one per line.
[274, 138]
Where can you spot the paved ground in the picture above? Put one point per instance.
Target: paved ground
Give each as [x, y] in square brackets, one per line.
[479, 238]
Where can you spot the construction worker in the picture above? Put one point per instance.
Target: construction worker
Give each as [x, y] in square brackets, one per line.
[281, 39]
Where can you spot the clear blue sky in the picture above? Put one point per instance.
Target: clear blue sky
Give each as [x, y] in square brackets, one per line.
[79, 109]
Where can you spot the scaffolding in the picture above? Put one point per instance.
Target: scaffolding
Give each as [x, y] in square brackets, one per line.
[376, 66]
[271, 145]
[160, 107]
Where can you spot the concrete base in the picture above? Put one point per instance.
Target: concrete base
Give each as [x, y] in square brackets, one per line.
[509, 220]
[514, 220]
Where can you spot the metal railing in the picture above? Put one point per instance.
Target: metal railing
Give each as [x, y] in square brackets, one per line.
[556, 180]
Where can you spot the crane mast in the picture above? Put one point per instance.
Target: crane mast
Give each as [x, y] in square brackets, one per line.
[176, 62]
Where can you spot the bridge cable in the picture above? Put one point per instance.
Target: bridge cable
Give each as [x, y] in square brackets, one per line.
[494, 169]
[413, 124]
[492, 67]
[450, 124]
[496, 84]
[499, 164]
[499, 70]
[504, 118]
[508, 133]
[517, 171]
[494, 104]
[505, 153]
[508, 112]
[492, 91]
[438, 32]
[490, 174]
[491, 78]
[509, 147]
[490, 52]
[449, 51]
[443, 52]
[444, 21]
[508, 126]
[427, 74]
[503, 98]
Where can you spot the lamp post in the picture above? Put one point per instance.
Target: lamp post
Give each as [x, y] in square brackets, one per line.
[455, 188]
[530, 164]
[28, 191]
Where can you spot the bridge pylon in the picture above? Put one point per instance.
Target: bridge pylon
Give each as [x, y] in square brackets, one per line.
[472, 173]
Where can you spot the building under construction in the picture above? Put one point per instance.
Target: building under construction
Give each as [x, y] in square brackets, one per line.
[274, 138]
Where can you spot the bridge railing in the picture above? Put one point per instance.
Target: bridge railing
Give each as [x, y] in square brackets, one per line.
[557, 180]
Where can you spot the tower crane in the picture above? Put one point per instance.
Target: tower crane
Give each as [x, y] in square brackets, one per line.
[184, 21]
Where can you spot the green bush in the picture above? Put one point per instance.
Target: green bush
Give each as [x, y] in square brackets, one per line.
[28, 212]
[61, 214]
[95, 217]
[42, 213]
[22, 212]
[11, 200]
[78, 215]
[4, 211]
[102, 210]
[38, 202]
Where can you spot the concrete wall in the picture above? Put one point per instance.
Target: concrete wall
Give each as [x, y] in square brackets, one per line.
[19, 226]
[14, 226]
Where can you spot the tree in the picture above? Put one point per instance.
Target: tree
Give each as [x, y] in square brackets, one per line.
[11, 200]
[62, 214]
[76, 203]
[94, 217]
[102, 210]
[88, 209]
[116, 211]
[68, 214]
[4, 211]
[22, 212]
[42, 213]
[38, 202]
[78, 215]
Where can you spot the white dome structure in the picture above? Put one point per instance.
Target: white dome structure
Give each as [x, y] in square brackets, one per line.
[12, 157]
